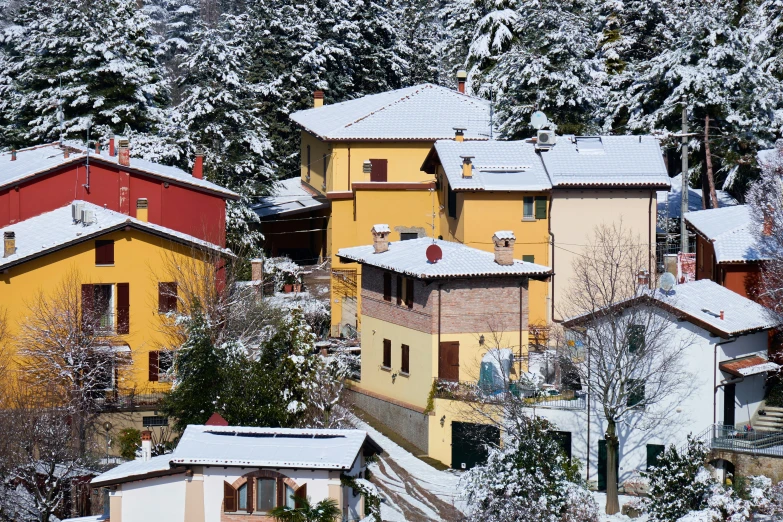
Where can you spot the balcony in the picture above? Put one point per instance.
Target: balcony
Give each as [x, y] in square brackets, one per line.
[727, 438]
[129, 400]
[473, 391]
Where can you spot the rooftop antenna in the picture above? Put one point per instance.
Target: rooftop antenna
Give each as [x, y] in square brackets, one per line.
[60, 114]
[87, 166]
[432, 225]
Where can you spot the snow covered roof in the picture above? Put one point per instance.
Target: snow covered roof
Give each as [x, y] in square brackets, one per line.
[410, 257]
[289, 196]
[674, 201]
[34, 161]
[497, 165]
[156, 466]
[606, 160]
[424, 112]
[701, 302]
[271, 447]
[573, 161]
[730, 230]
[56, 229]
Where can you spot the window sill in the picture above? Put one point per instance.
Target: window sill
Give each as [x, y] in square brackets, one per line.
[404, 374]
[386, 368]
[529, 219]
[105, 265]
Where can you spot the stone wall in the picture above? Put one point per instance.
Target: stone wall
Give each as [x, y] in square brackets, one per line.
[746, 465]
[410, 424]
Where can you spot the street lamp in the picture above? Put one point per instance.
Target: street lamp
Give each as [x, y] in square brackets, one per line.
[107, 426]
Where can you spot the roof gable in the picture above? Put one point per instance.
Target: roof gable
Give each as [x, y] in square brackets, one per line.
[731, 231]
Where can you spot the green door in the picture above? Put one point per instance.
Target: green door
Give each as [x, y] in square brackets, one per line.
[469, 443]
[602, 465]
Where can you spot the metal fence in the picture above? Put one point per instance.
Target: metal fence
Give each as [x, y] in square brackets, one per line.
[136, 398]
[728, 438]
[473, 391]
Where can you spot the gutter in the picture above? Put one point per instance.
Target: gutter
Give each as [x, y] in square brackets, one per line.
[133, 478]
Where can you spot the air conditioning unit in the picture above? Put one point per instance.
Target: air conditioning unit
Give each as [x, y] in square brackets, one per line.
[88, 217]
[546, 138]
[76, 211]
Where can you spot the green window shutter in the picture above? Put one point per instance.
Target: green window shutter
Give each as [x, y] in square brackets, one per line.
[529, 259]
[635, 392]
[653, 452]
[635, 337]
[541, 203]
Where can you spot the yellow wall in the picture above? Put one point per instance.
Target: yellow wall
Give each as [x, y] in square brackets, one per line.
[454, 411]
[404, 161]
[318, 150]
[139, 259]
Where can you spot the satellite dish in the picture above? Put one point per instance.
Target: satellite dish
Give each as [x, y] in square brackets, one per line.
[434, 253]
[538, 120]
[667, 281]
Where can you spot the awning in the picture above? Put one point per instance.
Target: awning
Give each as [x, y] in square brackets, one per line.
[747, 366]
[113, 346]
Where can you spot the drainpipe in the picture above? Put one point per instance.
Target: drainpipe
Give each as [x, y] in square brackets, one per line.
[715, 379]
[520, 332]
[552, 276]
[440, 299]
[649, 241]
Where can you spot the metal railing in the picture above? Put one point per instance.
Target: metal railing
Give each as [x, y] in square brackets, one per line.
[728, 438]
[473, 391]
[136, 398]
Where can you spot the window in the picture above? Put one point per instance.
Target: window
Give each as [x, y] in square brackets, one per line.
[290, 497]
[452, 201]
[635, 337]
[266, 500]
[167, 297]
[541, 207]
[159, 365]
[527, 207]
[387, 286]
[635, 392]
[242, 498]
[405, 236]
[152, 421]
[386, 353]
[653, 452]
[104, 252]
[103, 307]
[406, 354]
[529, 259]
[563, 439]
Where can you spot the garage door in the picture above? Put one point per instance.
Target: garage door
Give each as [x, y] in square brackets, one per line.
[468, 443]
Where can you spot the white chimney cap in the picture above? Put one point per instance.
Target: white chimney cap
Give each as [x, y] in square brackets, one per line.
[380, 229]
[505, 234]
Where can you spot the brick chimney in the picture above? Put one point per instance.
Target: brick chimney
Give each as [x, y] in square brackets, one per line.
[643, 278]
[380, 238]
[318, 99]
[257, 269]
[9, 243]
[13, 154]
[462, 76]
[768, 223]
[504, 247]
[66, 153]
[97, 147]
[124, 153]
[459, 133]
[112, 152]
[142, 210]
[146, 445]
[467, 166]
[198, 164]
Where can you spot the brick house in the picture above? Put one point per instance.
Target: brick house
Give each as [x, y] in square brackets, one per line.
[431, 310]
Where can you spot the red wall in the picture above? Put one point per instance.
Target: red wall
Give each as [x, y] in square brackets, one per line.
[177, 207]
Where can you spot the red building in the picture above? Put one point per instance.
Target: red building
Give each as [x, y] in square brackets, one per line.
[41, 179]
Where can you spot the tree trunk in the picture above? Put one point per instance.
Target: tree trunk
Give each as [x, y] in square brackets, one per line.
[708, 156]
[612, 452]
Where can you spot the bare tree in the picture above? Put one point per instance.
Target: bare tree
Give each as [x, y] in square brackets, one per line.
[67, 354]
[620, 342]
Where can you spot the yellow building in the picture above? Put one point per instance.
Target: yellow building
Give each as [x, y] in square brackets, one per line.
[365, 156]
[120, 270]
[433, 311]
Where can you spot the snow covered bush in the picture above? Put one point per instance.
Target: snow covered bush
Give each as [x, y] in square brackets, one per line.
[283, 271]
[529, 478]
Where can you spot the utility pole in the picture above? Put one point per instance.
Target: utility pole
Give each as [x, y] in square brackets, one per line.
[684, 198]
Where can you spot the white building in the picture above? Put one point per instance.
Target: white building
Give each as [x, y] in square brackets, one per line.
[727, 358]
[226, 473]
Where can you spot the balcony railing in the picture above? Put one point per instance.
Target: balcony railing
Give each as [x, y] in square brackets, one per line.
[728, 438]
[473, 391]
[137, 398]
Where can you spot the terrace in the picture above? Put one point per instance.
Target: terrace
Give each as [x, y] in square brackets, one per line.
[489, 392]
[727, 438]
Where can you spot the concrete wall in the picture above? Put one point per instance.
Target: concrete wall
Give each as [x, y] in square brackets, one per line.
[154, 499]
[411, 425]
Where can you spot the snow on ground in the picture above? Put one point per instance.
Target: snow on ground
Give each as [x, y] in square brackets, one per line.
[410, 488]
[600, 499]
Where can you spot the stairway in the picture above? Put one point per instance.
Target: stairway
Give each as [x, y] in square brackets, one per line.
[768, 418]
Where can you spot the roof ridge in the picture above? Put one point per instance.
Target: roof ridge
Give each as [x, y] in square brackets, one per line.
[399, 100]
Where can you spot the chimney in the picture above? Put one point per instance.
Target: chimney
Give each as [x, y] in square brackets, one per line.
[111, 145]
[721, 315]
[380, 238]
[66, 153]
[142, 212]
[768, 223]
[467, 167]
[318, 99]
[642, 278]
[97, 147]
[504, 247]
[9, 243]
[13, 154]
[146, 445]
[124, 153]
[459, 133]
[257, 269]
[198, 164]
[462, 76]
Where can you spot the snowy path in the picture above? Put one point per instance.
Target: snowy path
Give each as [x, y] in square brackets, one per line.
[411, 489]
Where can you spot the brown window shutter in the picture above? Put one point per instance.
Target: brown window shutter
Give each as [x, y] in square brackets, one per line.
[154, 365]
[88, 308]
[300, 496]
[250, 483]
[167, 297]
[409, 293]
[280, 492]
[405, 365]
[229, 498]
[104, 252]
[387, 286]
[387, 353]
[380, 169]
[123, 308]
[399, 290]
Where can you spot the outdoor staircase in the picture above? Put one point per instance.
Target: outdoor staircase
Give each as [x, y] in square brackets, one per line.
[768, 418]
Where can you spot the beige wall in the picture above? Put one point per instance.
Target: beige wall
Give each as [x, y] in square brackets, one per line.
[576, 213]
